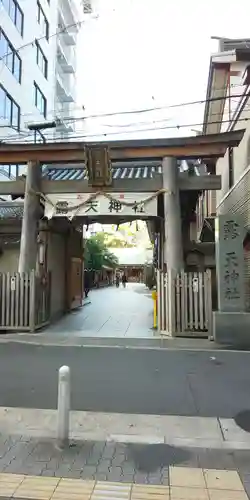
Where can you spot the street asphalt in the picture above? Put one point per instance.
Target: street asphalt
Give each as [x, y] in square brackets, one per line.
[150, 381]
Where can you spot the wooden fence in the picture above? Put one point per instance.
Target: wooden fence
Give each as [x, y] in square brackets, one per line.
[24, 301]
[185, 303]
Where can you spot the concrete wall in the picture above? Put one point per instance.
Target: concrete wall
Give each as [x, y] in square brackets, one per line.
[61, 247]
[56, 264]
[9, 260]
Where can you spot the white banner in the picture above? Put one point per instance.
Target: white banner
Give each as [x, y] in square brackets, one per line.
[69, 205]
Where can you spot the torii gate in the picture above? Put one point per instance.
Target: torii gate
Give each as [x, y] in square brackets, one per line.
[99, 159]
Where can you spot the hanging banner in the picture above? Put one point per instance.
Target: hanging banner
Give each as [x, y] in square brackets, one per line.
[84, 204]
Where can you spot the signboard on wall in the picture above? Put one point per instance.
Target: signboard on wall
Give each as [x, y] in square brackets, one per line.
[83, 204]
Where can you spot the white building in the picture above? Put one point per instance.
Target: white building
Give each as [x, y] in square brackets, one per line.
[228, 108]
[38, 82]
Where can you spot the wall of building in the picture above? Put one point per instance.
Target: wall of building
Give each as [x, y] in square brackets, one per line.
[56, 264]
[241, 159]
[23, 93]
[9, 260]
[58, 50]
[236, 200]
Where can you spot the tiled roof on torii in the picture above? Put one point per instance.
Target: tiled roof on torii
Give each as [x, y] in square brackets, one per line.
[120, 170]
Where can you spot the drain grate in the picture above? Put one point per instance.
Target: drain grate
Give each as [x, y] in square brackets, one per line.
[242, 419]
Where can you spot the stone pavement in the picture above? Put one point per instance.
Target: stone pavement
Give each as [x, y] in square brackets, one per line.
[112, 312]
[132, 459]
[174, 430]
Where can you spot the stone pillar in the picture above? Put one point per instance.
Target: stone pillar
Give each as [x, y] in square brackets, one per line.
[173, 247]
[231, 322]
[31, 215]
[230, 270]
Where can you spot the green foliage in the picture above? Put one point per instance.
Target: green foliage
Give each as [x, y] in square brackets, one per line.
[96, 253]
[116, 241]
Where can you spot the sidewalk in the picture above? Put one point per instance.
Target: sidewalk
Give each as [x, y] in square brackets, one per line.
[104, 471]
[179, 431]
[122, 457]
[186, 484]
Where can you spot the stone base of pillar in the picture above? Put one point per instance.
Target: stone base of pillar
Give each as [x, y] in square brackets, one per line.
[231, 328]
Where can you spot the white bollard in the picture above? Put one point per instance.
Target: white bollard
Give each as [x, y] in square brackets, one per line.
[63, 408]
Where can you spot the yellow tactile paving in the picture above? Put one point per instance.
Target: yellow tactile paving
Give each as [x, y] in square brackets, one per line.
[149, 492]
[185, 476]
[185, 484]
[36, 487]
[223, 479]
[9, 483]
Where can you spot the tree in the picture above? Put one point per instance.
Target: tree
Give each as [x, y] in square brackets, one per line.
[96, 253]
[116, 241]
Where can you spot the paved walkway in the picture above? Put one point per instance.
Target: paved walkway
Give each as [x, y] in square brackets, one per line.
[184, 483]
[112, 312]
[173, 430]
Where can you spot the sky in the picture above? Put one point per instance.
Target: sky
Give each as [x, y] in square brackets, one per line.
[141, 54]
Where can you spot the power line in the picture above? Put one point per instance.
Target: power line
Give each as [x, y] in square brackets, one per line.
[21, 47]
[132, 124]
[72, 120]
[127, 112]
[186, 125]
[158, 108]
[141, 110]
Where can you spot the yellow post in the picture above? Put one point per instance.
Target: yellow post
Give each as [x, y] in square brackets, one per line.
[154, 297]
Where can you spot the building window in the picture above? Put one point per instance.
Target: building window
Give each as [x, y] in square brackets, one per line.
[42, 20]
[41, 60]
[15, 13]
[40, 101]
[10, 57]
[230, 167]
[9, 110]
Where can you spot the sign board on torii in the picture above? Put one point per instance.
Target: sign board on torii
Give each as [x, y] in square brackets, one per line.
[82, 204]
[99, 166]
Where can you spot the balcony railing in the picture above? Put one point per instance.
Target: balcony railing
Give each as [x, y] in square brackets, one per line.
[65, 91]
[66, 57]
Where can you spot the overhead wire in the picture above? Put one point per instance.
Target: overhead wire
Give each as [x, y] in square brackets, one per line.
[44, 37]
[186, 125]
[110, 114]
[136, 111]
[191, 103]
[119, 113]
[74, 120]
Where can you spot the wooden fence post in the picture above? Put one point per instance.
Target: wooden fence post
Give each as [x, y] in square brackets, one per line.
[32, 301]
[171, 301]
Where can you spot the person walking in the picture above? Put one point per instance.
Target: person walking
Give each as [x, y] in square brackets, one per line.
[117, 280]
[124, 280]
[86, 284]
